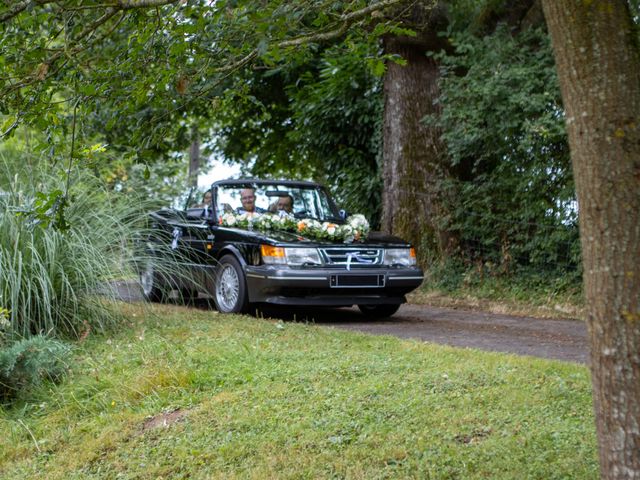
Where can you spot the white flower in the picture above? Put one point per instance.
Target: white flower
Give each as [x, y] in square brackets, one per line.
[267, 221]
[358, 221]
[282, 219]
[229, 219]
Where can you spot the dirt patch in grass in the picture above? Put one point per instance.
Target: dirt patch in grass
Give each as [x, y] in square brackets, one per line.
[473, 437]
[164, 419]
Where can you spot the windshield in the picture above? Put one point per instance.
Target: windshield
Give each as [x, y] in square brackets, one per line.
[301, 201]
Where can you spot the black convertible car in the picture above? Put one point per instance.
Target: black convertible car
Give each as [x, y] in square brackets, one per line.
[276, 242]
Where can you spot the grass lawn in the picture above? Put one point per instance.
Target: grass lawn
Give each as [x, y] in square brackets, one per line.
[195, 394]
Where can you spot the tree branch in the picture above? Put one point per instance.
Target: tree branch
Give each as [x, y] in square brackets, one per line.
[132, 4]
[56, 56]
[19, 7]
[340, 26]
[239, 63]
[347, 20]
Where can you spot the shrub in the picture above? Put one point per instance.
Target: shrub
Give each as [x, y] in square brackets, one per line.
[511, 200]
[30, 362]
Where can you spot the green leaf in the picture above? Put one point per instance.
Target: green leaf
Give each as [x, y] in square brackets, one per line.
[378, 67]
[8, 123]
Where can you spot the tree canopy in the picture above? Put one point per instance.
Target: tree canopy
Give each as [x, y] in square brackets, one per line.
[140, 71]
[128, 82]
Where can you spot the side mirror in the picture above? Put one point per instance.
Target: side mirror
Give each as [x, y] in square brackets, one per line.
[343, 214]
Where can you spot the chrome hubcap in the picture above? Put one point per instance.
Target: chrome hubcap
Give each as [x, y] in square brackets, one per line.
[227, 288]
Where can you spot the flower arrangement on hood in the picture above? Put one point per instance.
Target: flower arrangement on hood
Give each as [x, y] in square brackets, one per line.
[355, 228]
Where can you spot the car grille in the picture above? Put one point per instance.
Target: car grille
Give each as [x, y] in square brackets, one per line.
[352, 257]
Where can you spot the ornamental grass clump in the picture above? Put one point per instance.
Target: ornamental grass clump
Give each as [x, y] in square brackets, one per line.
[54, 281]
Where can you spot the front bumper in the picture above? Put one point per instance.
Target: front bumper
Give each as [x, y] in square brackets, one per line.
[331, 287]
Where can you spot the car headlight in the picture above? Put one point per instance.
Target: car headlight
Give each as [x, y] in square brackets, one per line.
[293, 256]
[302, 256]
[400, 256]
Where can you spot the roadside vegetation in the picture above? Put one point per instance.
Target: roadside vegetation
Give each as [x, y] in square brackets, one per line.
[57, 258]
[478, 288]
[50, 271]
[195, 394]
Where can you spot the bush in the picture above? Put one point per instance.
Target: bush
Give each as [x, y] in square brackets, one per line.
[453, 277]
[511, 200]
[30, 362]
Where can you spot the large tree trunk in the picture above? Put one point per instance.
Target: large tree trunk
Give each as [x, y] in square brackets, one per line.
[598, 62]
[413, 153]
[414, 157]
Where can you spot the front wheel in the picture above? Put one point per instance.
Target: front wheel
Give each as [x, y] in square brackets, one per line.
[230, 294]
[379, 311]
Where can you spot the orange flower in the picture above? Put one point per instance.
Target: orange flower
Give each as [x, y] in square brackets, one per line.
[301, 226]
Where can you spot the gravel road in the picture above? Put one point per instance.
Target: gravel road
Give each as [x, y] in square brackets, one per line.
[546, 338]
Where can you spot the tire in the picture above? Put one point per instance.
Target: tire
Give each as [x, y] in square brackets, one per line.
[152, 287]
[230, 287]
[379, 311]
